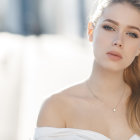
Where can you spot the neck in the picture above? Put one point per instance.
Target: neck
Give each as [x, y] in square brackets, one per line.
[106, 82]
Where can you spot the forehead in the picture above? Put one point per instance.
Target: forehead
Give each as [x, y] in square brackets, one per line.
[124, 13]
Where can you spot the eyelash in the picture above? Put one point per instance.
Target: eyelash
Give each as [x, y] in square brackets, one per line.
[109, 28]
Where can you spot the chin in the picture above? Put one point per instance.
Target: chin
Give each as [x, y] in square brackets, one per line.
[111, 67]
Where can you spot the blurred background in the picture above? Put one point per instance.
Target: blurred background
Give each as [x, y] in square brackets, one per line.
[27, 17]
[44, 49]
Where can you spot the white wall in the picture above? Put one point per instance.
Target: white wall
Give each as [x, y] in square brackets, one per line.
[10, 82]
[32, 69]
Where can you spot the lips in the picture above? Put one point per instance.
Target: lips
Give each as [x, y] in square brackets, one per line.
[115, 53]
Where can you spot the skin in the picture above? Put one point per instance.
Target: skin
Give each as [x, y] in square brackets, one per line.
[108, 36]
[76, 107]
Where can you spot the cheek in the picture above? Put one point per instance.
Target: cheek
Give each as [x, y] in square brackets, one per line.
[130, 52]
[102, 38]
[101, 42]
[132, 47]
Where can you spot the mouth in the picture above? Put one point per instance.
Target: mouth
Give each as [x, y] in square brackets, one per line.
[114, 55]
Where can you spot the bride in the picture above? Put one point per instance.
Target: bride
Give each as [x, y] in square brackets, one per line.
[107, 105]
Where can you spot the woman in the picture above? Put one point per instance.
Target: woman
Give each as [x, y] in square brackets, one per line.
[107, 105]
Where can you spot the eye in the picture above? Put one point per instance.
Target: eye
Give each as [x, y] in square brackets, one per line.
[133, 35]
[107, 27]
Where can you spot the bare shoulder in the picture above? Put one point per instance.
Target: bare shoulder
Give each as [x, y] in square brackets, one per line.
[53, 110]
[51, 113]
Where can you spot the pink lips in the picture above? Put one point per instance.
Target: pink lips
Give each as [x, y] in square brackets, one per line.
[114, 55]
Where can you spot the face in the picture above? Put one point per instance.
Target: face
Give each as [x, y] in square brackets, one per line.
[118, 29]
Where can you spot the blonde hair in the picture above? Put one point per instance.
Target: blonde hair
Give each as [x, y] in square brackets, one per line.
[131, 74]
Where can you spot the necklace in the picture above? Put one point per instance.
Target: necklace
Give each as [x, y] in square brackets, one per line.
[114, 108]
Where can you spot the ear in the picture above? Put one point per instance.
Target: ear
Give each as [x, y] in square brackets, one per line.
[90, 31]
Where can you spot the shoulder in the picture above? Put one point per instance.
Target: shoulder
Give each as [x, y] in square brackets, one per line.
[50, 114]
[54, 109]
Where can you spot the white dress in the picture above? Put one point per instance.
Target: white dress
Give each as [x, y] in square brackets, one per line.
[52, 133]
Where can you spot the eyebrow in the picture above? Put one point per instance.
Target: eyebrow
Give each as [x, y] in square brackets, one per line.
[116, 23]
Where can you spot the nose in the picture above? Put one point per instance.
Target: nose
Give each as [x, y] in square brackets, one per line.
[118, 42]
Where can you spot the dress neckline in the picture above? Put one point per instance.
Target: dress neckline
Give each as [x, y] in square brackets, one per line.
[83, 130]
